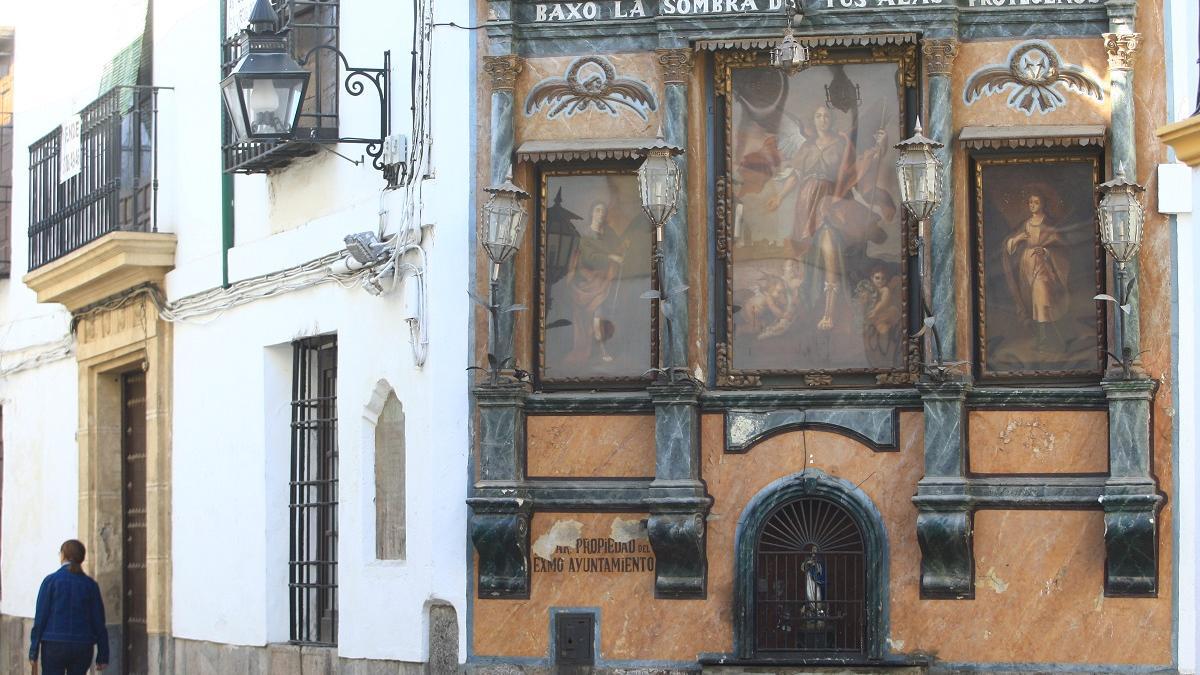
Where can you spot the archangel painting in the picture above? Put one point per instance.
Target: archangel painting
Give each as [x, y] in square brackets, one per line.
[596, 266]
[1037, 266]
[817, 240]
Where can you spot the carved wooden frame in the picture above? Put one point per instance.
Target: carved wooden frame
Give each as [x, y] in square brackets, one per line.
[541, 239]
[978, 160]
[905, 56]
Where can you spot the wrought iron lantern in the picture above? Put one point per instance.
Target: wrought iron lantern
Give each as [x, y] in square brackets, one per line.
[502, 225]
[659, 180]
[1121, 217]
[264, 91]
[920, 173]
[789, 55]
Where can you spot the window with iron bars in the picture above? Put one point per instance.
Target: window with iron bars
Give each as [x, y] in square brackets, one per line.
[313, 501]
[312, 25]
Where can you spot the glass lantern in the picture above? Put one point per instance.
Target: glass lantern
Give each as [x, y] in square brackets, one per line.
[502, 225]
[789, 55]
[264, 91]
[659, 182]
[920, 174]
[1121, 217]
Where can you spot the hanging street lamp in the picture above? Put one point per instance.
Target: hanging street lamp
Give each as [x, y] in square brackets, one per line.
[1121, 219]
[659, 182]
[264, 91]
[920, 175]
[501, 229]
[789, 55]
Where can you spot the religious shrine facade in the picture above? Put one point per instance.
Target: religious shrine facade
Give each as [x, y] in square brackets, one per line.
[802, 428]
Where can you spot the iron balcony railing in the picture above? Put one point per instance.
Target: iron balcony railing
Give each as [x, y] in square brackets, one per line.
[115, 188]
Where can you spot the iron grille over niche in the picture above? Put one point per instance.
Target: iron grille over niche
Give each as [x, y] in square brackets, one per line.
[312, 24]
[811, 579]
[312, 562]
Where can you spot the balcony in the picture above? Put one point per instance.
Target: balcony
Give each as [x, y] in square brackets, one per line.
[93, 234]
[112, 177]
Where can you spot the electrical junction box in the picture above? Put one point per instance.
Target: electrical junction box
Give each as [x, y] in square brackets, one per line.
[1174, 188]
[573, 642]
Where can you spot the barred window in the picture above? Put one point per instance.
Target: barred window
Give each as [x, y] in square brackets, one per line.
[312, 560]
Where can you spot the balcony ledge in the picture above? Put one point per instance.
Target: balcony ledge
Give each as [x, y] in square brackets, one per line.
[1184, 136]
[113, 263]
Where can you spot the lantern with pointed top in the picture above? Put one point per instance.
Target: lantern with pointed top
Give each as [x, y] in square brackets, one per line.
[920, 173]
[264, 91]
[503, 223]
[789, 55]
[659, 182]
[1121, 217]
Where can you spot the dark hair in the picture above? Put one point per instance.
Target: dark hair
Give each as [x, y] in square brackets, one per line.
[73, 551]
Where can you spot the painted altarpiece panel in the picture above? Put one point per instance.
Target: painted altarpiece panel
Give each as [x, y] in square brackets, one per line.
[810, 226]
[1038, 264]
[595, 266]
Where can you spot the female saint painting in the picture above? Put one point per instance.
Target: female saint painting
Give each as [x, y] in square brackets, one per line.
[1037, 264]
[817, 264]
[596, 325]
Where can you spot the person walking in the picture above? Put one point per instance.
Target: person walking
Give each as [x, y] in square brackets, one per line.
[69, 619]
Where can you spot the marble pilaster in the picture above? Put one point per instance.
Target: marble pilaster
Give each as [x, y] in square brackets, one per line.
[502, 73]
[939, 56]
[677, 497]
[1130, 498]
[942, 500]
[676, 68]
[500, 523]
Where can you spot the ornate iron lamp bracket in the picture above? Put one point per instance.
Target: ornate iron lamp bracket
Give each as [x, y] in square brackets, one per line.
[355, 83]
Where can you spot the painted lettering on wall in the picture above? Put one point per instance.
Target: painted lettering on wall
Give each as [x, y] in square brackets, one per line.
[598, 555]
[603, 10]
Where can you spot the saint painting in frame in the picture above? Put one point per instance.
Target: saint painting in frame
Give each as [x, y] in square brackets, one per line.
[814, 236]
[1038, 265]
[595, 325]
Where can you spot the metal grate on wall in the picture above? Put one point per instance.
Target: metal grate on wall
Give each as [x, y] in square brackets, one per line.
[312, 561]
[810, 594]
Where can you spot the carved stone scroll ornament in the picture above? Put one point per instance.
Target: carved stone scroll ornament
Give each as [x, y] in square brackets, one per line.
[681, 565]
[947, 561]
[676, 65]
[503, 71]
[1122, 49]
[939, 55]
[1033, 74]
[502, 541]
[590, 82]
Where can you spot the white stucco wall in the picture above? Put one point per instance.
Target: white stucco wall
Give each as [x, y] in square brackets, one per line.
[1181, 28]
[233, 373]
[40, 506]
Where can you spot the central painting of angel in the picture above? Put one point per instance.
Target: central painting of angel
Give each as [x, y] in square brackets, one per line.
[817, 246]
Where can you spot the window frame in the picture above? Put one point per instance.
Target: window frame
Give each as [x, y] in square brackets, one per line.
[313, 497]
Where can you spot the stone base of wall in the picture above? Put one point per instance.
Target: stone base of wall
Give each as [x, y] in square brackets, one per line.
[195, 657]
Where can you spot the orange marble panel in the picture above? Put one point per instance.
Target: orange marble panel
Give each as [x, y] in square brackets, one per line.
[1040, 582]
[591, 123]
[1039, 598]
[1031, 441]
[607, 446]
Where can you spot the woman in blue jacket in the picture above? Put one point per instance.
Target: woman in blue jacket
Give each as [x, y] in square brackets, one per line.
[70, 619]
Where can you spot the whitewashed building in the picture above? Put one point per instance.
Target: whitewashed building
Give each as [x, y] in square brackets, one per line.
[262, 442]
[1179, 186]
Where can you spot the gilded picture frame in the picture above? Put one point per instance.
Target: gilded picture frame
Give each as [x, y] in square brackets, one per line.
[1037, 263]
[595, 248]
[814, 296]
